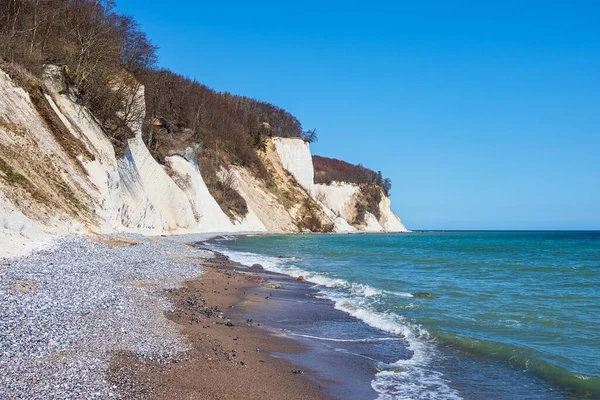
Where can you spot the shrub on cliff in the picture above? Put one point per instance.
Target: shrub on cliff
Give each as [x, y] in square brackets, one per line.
[222, 188]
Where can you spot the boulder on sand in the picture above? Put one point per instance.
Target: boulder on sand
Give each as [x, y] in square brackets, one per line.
[256, 267]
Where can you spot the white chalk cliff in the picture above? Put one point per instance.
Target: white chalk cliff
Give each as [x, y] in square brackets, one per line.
[73, 183]
[296, 158]
[338, 200]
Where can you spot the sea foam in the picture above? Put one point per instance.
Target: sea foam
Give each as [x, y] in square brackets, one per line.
[417, 379]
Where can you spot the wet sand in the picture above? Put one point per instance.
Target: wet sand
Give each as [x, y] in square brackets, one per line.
[229, 358]
[245, 343]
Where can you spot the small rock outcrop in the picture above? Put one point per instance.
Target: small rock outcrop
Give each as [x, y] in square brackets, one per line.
[256, 267]
[424, 296]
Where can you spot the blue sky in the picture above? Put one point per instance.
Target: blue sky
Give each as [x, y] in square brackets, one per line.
[484, 116]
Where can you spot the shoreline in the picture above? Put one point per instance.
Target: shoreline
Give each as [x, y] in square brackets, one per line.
[130, 316]
[229, 358]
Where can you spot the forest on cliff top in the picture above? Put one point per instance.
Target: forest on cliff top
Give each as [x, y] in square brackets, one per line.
[105, 57]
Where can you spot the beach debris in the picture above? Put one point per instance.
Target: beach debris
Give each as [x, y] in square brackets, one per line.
[424, 296]
[115, 241]
[198, 307]
[273, 286]
[300, 279]
[256, 267]
[381, 366]
[348, 306]
[297, 371]
[23, 286]
[256, 279]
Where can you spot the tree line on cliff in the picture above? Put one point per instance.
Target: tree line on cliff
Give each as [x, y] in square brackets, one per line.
[104, 54]
[328, 170]
[104, 57]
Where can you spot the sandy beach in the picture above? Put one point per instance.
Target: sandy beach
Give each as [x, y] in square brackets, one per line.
[230, 358]
[162, 317]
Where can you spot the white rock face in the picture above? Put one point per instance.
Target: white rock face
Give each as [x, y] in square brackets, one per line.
[389, 220]
[263, 207]
[340, 224]
[296, 158]
[25, 135]
[134, 193]
[123, 202]
[371, 223]
[169, 200]
[131, 207]
[131, 193]
[210, 216]
[340, 198]
[19, 235]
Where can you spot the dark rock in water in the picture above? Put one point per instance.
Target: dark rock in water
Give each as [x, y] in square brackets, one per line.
[281, 257]
[424, 295]
[256, 279]
[300, 279]
[256, 267]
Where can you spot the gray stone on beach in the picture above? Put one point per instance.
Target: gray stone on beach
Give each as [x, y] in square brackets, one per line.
[63, 312]
[256, 267]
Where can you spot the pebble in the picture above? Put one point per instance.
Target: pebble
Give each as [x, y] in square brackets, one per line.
[89, 300]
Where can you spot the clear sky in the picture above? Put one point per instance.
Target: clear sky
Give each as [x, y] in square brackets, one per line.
[484, 116]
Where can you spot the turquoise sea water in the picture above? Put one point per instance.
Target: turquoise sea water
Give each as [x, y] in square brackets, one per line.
[517, 314]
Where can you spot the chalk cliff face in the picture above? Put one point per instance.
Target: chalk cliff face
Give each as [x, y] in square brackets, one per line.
[296, 158]
[59, 175]
[341, 198]
[337, 200]
[389, 221]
